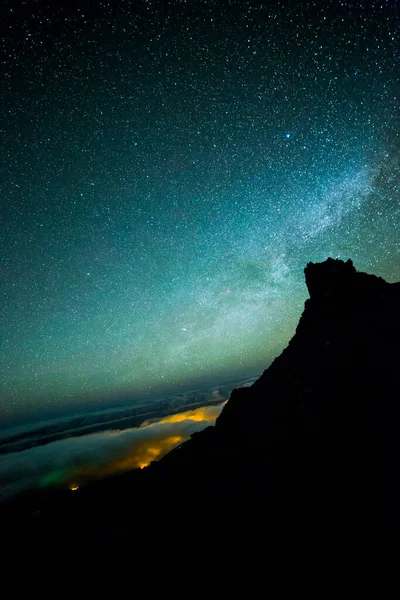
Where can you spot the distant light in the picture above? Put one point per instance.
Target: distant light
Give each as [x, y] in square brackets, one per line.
[288, 135]
[74, 487]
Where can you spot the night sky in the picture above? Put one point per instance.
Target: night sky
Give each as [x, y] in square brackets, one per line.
[168, 169]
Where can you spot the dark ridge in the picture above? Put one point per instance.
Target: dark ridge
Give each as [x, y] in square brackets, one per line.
[304, 459]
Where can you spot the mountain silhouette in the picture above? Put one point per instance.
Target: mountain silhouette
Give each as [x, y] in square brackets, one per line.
[306, 457]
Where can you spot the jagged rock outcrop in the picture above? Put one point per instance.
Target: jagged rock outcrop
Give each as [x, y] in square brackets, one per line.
[342, 362]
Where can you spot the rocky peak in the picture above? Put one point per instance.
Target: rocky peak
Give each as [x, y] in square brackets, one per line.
[329, 277]
[335, 277]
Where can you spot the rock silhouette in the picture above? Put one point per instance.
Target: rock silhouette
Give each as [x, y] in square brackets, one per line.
[307, 457]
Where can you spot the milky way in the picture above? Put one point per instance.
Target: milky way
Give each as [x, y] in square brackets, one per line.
[170, 168]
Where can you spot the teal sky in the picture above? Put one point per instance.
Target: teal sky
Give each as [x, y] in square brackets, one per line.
[170, 168]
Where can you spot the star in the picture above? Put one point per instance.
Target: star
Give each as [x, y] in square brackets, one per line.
[184, 170]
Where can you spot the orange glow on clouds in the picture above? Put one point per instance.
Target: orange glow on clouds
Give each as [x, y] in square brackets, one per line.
[145, 454]
[136, 448]
[204, 413]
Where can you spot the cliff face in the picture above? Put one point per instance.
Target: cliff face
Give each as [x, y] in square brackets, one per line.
[342, 364]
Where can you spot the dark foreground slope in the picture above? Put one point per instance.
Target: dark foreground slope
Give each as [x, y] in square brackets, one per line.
[307, 457]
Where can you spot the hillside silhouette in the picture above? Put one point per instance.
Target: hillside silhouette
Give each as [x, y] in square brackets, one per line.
[306, 457]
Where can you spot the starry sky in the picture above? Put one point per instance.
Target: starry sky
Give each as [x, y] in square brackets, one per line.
[168, 169]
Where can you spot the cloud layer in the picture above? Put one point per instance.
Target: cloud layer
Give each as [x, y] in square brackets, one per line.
[74, 461]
